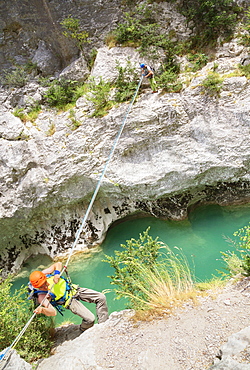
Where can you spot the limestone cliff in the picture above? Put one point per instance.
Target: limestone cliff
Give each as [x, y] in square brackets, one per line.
[177, 150]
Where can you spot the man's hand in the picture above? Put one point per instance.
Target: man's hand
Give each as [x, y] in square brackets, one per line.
[39, 310]
[56, 279]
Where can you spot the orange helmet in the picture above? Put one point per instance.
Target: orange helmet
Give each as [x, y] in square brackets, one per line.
[37, 278]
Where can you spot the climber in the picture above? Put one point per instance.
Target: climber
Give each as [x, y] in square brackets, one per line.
[149, 73]
[51, 290]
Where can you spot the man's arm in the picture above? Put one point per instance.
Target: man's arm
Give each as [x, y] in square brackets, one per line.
[46, 308]
[57, 266]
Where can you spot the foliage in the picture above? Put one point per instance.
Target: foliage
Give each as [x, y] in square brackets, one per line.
[74, 122]
[245, 70]
[212, 83]
[148, 277]
[72, 30]
[126, 82]
[16, 78]
[245, 38]
[19, 76]
[61, 92]
[210, 19]
[15, 311]
[51, 130]
[30, 115]
[238, 261]
[140, 29]
[100, 96]
[169, 82]
[197, 60]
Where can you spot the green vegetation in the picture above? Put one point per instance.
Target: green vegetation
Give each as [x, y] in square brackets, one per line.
[126, 82]
[210, 19]
[238, 261]
[212, 83]
[100, 92]
[19, 76]
[15, 311]
[72, 30]
[74, 122]
[99, 95]
[150, 275]
[140, 29]
[198, 60]
[30, 114]
[169, 81]
[62, 92]
[245, 37]
[245, 70]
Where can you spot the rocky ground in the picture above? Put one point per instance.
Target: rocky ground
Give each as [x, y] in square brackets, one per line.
[190, 339]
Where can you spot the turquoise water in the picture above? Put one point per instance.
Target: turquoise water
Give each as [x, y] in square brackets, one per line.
[201, 238]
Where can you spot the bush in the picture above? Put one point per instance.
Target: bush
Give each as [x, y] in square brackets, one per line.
[238, 261]
[210, 19]
[168, 81]
[72, 30]
[61, 92]
[19, 76]
[148, 277]
[15, 311]
[245, 38]
[140, 29]
[212, 83]
[198, 61]
[100, 96]
[126, 82]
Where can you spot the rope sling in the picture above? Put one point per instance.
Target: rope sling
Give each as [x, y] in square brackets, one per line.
[16, 340]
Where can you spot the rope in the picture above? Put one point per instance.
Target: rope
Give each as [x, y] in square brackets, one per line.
[16, 340]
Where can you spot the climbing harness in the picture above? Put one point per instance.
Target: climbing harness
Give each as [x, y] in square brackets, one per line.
[16, 340]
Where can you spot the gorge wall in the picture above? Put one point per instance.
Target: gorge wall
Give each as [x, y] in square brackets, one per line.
[178, 150]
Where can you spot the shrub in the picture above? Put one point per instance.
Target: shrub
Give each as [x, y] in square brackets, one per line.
[140, 29]
[197, 60]
[210, 19]
[126, 82]
[19, 76]
[245, 38]
[168, 81]
[148, 277]
[72, 30]
[238, 261]
[245, 70]
[74, 122]
[15, 311]
[100, 96]
[212, 83]
[16, 78]
[60, 93]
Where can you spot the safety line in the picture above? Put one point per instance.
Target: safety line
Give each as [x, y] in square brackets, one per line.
[16, 340]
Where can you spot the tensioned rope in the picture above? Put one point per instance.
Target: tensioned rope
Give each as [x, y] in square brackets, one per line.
[16, 340]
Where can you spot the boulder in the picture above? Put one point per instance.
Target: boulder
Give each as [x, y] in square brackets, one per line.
[234, 354]
[76, 71]
[46, 61]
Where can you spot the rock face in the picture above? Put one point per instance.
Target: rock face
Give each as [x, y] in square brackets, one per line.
[176, 151]
[31, 31]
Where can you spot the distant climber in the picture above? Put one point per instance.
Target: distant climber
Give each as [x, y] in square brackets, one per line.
[148, 72]
[50, 290]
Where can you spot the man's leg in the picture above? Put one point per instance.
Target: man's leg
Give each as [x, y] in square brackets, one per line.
[92, 296]
[79, 309]
[153, 84]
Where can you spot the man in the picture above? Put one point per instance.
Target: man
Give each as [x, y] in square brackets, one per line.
[149, 73]
[50, 288]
